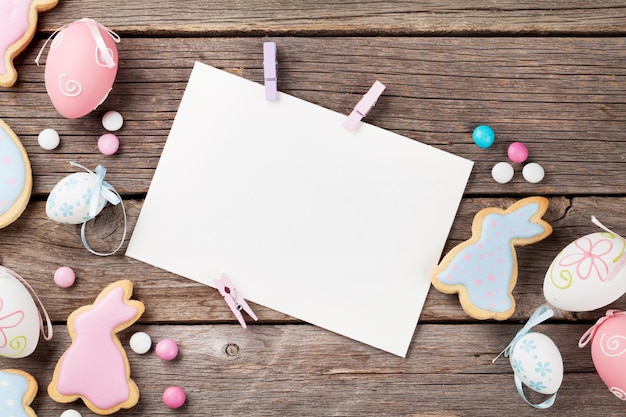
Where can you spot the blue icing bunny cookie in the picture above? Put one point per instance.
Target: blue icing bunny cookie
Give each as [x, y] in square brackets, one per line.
[483, 269]
[17, 391]
[16, 180]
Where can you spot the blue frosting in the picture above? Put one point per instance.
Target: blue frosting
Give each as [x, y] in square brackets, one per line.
[13, 387]
[485, 268]
[12, 171]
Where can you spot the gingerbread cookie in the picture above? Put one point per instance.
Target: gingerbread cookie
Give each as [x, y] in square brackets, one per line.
[16, 178]
[483, 269]
[18, 20]
[95, 367]
[17, 391]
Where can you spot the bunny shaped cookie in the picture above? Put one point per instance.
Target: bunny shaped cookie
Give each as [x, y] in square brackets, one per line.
[483, 269]
[18, 20]
[95, 367]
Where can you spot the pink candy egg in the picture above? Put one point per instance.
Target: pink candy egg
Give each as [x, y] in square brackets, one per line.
[174, 397]
[167, 349]
[608, 350]
[81, 67]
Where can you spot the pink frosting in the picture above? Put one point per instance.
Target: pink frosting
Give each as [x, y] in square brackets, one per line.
[14, 23]
[95, 367]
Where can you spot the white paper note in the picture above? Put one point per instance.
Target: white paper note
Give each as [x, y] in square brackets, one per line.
[336, 228]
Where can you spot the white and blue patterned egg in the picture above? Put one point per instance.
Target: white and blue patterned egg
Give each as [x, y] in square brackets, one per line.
[537, 362]
[19, 318]
[70, 200]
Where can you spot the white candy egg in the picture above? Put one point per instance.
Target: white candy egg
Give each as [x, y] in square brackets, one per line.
[70, 199]
[537, 362]
[19, 318]
[577, 278]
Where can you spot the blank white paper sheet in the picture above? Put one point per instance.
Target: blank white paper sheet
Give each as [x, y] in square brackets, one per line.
[339, 229]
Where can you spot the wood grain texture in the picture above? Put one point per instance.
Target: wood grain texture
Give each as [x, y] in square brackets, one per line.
[38, 246]
[563, 97]
[549, 74]
[330, 17]
[303, 370]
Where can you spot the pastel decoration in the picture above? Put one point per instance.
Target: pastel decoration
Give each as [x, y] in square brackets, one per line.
[17, 391]
[64, 277]
[588, 273]
[81, 67]
[517, 152]
[174, 397]
[48, 139]
[108, 144]
[20, 320]
[16, 178]
[112, 120]
[483, 269]
[502, 172]
[536, 360]
[533, 172]
[80, 197]
[70, 413]
[167, 349]
[18, 20]
[140, 342]
[483, 136]
[608, 350]
[95, 367]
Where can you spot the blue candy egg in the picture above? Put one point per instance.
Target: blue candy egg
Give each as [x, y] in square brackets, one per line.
[483, 136]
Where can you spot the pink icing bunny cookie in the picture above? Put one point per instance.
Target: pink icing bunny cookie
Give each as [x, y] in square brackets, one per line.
[483, 269]
[95, 367]
[18, 20]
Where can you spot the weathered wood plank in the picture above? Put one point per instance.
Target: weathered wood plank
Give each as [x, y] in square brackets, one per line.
[304, 370]
[563, 97]
[262, 17]
[35, 246]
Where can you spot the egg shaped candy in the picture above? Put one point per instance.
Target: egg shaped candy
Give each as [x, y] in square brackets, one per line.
[19, 318]
[81, 67]
[71, 199]
[608, 350]
[587, 274]
[537, 362]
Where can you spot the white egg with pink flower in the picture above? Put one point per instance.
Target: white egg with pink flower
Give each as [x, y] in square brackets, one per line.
[19, 317]
[588, 273]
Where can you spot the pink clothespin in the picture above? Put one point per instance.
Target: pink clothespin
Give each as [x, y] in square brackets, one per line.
[364, 106]
[234, 300]
[269, 70]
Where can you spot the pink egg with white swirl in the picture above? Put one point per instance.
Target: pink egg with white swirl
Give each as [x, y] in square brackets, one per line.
[81, 67]
[608, 350]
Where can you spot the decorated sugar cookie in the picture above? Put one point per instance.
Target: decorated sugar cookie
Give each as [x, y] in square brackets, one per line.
[483, 269]
[95, 367]
[17, 392]
[18, 20]
[16, 179]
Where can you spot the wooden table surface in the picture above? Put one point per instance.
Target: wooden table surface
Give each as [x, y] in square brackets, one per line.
[549, 74]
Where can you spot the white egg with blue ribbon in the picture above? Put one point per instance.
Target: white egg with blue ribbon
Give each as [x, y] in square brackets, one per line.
[80, 197]
[536, 360]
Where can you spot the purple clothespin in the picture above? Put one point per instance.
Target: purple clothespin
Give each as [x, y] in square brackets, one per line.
[234, 300]
[364, 106]
[269, 70]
